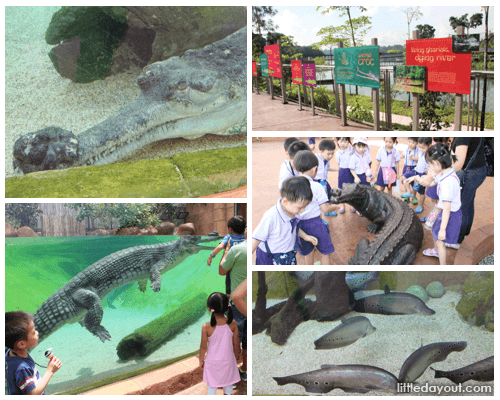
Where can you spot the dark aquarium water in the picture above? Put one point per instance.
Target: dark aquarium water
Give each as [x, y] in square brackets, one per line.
[412, 327]
[35, 268]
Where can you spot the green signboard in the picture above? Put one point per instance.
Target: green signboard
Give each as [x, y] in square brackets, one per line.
[357, 66]
[263, 65]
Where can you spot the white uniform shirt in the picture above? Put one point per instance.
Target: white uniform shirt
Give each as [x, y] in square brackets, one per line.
[408, 153]
[385, 159]
[286, 171]
[322, 168]
[343, 157]
[422, 165]
[275, 228]
[319, 197]
[367, 155]
[358, 163]
[448, 189]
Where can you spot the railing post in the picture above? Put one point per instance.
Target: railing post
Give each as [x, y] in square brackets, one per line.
[458, 97]
[375, 97]
[414, 36]
[343, 111]
[283, 91]
[388, 99]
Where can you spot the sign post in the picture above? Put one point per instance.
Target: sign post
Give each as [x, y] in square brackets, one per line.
[458, 97]
[375, 97]
[297, 78]
[309, 78]
[254, 74]
[415, 109]
[343, 110]
[283, 89]
[265, 70]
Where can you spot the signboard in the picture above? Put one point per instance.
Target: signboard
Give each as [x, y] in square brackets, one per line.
[263, 65]
[273, 60]
[357, 66]
[254, 68]
[465, 43]
[297, 72]
[409, 78]
[309, 70]
[446, 71]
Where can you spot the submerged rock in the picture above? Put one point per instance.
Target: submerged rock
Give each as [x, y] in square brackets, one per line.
[435, 289]
[418, 291]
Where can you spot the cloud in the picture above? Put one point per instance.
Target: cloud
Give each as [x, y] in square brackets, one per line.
[288, 22]
[387, 38]
[372, 11]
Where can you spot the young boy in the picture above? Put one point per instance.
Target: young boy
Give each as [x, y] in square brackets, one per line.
[287, 170]
[275, 238]
[326, 153]
[21, 373]
[236, 228]
[310, 222]
[423, 145]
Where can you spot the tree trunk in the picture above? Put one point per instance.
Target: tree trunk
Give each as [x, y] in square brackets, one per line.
[486, 41]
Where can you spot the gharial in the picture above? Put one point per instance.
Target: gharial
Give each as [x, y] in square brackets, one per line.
[202, 92]
[79, 300]
[400, 231]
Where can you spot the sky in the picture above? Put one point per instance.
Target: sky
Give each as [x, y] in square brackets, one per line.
[389, 23]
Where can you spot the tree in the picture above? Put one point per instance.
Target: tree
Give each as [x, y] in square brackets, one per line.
[22, 214]
[425, 31]
[474, 21]
[259, 22]
[412, 13]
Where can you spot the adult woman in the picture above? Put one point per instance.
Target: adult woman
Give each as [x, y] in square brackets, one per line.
[473, 165]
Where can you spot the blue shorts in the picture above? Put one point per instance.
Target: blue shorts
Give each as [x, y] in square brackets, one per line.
[409, 174]
[315, 227]
[432, 192]
[345, 176]
[452, 229]
[363, 180]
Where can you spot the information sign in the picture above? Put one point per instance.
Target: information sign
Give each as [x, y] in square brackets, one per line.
[357, 66]
[309, 69]
[273, 60]
[465, 43]
[254, 68]
[297, 72]
[409, 78]
[263, 65]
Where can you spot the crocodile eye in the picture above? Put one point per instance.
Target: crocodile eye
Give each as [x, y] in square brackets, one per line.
[182, 85]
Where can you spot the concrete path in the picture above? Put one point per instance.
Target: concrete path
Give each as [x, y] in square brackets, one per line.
[347, 229]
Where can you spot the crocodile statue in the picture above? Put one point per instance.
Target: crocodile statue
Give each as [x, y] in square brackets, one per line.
[400, 230]
[79, 300]
[202, 92]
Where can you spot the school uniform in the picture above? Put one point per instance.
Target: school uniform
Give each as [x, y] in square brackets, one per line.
[278, 231]
[368, 156]
[419, 170]
[387, 160]
[343, 158]
[311, 223]
[448, 189]
[359, 164]
[286, 171]
[322, 174]
[409, 163]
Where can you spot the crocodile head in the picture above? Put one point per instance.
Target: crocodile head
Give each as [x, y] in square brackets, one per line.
[351, 193]
[202, 92]
[190, 244]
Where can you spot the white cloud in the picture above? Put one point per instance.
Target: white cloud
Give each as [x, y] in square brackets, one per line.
[288, 23]
[387, 38]
[372, 11]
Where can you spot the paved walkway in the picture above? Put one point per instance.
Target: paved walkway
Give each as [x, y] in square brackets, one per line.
[232, 194]
[347, 229]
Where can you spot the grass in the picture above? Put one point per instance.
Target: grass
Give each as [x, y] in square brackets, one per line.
[201, 173]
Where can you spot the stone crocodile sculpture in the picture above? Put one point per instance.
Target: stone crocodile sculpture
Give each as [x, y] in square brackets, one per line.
[400, 230]
[202, 92]
[79, 300]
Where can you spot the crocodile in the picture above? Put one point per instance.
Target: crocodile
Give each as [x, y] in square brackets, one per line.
[400, 231]
[79, 300]
[202, 92]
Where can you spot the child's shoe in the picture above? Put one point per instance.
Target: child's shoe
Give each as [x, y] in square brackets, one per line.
[419, 209]
[331, 214]
[406, 195]
[341, 211]
[455, 246]
[353, 210]
[424, 220]
[431, 253]
[326, 223]
[359, 214]
[414, 201]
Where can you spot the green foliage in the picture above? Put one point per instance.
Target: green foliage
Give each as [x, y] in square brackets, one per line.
[425, 31]
[359, 112]
[393, 51]
[22, 214]
[429, 111]
[259, 22]
[474, 21]
[320, 60]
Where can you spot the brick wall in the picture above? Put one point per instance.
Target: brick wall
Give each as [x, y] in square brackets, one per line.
[210, 217]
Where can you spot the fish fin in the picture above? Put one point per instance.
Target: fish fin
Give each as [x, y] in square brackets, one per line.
[327, 366]
[386, 289]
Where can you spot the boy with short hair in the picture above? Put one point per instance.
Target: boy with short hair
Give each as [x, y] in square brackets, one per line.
[326, 153]
[287, 170]
[21, 373]
[310, 222]
[275, 238]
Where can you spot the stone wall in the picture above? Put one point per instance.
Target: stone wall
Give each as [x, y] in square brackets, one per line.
[210, 217]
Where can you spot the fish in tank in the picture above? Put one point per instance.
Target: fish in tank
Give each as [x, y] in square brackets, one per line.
[405, 332]
[93, 308]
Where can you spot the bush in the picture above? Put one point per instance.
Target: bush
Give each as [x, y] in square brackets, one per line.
[359, 112]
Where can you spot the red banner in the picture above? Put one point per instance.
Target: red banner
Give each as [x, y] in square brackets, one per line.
[446, 71]
[254, 68]
[297, 72]
[273, 60]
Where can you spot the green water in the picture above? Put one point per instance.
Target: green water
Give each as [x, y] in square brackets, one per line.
[40, 266]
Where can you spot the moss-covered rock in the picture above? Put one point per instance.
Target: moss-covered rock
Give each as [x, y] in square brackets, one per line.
[418, 291]
[435, 289]
[476, 305]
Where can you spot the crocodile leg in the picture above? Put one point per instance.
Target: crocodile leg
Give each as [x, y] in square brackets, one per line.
[361, 248]
[155, 276]
[378, 223]
[89, 300]
[405, 256]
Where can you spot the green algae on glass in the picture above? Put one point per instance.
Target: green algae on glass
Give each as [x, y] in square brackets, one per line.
[389, 278]
[201, 174]
[275, 281]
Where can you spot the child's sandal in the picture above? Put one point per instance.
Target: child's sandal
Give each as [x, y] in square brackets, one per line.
[431, 253]
[414, 201]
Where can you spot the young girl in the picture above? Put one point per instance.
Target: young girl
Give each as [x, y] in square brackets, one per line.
[423, 145]
[411, 158]
[219, 367]
[387, 157]
[342, 156]
[447, 226]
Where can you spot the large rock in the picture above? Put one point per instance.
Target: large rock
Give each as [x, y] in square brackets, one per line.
[103, 41]
[149, 231]
[133, 230]
[185, 229]
[26, 231]
[165, 228]
[99, 232]
[476, 305]
[10, 231]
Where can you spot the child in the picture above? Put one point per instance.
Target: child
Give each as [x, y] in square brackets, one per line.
[236, 228]
[411, 158]
[423, 145]
[387, 157]
[326, 152]
[275, 238]
[358, 164]
[21, 373]
[287, 169]
[343, 156]
[310, 222]
[447, 226]
[220, 337]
